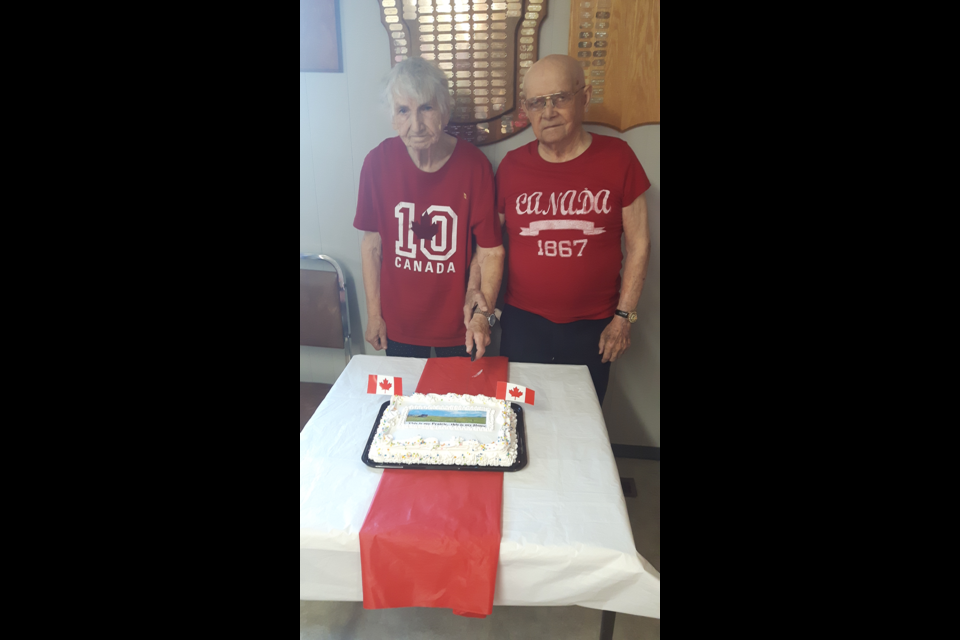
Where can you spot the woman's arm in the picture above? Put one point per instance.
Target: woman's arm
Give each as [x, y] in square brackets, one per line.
[371, 255]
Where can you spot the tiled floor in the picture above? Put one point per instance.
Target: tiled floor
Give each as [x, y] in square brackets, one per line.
[349, 621]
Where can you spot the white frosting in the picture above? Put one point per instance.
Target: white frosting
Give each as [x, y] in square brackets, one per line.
[493, 444]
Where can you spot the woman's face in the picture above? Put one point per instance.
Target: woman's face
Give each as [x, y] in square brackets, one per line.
[420, 125]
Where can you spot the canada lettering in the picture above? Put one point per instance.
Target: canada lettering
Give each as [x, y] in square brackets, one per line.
[566, 203]
[418, 265]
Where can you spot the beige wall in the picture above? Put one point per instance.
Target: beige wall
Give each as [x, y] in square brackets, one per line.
[341, 120]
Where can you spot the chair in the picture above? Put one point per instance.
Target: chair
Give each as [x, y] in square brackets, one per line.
[324, 322]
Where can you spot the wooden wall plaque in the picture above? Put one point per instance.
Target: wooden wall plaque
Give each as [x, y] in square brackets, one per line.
[618, 44]
[483, 47]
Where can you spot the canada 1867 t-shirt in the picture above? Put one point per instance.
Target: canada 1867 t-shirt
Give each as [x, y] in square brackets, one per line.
[426, 222]
[564, 224]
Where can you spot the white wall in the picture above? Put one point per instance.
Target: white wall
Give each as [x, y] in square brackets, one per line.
[341, 120]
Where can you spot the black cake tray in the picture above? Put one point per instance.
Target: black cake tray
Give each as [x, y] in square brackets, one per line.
[516, 466]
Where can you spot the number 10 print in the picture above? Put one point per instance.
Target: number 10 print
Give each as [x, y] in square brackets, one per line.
[441, 246]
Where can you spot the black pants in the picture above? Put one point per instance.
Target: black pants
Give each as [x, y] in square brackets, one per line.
[401, 350]
[528, 337]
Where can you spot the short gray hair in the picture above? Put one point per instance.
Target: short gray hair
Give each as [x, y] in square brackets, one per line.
[418, 78]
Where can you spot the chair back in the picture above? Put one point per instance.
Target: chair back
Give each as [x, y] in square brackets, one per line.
[324, 317]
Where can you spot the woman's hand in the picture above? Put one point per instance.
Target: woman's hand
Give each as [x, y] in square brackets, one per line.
[376, 333]
[478, 333]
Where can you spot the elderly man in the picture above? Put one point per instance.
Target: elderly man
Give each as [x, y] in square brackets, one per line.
[565, 200]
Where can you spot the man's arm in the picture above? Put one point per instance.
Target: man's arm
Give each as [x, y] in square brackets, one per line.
[486, 270]
[615, 339]
[371, 255]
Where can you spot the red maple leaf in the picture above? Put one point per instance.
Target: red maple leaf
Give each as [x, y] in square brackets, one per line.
[424, 230]
[385, 385]
[515, 392]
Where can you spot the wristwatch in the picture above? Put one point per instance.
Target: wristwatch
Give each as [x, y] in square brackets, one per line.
[492, 318]
[631, 316]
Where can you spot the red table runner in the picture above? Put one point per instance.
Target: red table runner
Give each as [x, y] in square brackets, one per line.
[459, 375]
[432, 538]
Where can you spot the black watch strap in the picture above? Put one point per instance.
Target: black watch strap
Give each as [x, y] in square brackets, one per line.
[491, 319]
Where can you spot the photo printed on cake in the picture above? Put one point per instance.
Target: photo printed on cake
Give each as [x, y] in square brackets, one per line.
[448, 418]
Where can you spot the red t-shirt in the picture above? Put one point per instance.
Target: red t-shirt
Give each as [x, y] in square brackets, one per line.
[564, 224]
[423, 277]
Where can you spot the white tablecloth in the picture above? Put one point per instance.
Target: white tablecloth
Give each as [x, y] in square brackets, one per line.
[566, 535]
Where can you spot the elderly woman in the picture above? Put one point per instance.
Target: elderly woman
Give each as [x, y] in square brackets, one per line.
[425, 196]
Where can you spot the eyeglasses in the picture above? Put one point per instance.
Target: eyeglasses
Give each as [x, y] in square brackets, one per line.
[557, 99]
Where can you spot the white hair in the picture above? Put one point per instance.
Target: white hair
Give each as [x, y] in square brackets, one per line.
[418, 78]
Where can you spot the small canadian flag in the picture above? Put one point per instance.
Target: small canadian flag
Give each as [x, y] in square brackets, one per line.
[514, 393]
[385, 385]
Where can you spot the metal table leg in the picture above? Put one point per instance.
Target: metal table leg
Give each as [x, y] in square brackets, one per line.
[607, 622]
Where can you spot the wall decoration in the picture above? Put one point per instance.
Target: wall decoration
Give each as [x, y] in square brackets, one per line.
[485, 48]
[618, 44]
[320, 48]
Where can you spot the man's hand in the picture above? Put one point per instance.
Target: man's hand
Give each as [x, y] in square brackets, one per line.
[473, 300]
[478, 333]
[615, 339]
[376, 333]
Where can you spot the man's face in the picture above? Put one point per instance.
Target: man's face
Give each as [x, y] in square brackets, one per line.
[555, 124]
[420, 125]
